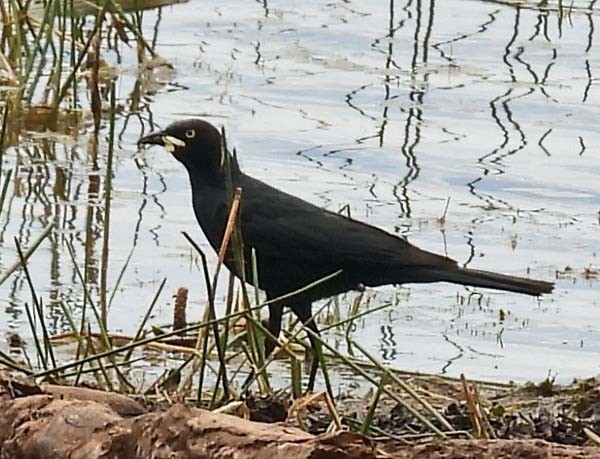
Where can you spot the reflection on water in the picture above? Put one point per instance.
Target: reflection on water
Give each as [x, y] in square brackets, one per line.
[383, 112]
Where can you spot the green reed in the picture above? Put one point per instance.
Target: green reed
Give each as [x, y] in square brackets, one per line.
[38, 44]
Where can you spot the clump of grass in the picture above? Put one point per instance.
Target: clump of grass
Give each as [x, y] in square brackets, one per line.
[36, 45]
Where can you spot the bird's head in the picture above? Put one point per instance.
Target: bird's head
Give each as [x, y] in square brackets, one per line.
[194, 142]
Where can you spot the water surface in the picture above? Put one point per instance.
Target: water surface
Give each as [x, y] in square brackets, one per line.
[387, 108]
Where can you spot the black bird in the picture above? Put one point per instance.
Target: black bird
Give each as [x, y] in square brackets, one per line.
[297, 243]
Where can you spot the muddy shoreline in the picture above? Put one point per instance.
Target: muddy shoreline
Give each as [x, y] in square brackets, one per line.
[53, 421]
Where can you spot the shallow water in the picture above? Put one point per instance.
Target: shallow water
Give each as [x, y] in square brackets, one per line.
[390, 109]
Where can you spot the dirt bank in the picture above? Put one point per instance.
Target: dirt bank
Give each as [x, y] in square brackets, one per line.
[55, 422]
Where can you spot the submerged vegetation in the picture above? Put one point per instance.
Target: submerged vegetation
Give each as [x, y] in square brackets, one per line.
[60, 70]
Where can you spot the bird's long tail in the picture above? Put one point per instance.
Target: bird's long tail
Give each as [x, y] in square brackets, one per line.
[477, 278]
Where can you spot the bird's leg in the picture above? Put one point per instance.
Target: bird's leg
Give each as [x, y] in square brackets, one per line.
[314, 366]
[306, 317]
[274, 327]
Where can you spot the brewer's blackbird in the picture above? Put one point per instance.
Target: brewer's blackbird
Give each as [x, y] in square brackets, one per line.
[297, 243]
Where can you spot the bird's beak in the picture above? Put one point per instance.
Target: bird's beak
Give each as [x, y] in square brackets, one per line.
[160, 138]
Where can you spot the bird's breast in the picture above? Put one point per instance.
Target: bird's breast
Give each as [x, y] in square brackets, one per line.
[212, 218]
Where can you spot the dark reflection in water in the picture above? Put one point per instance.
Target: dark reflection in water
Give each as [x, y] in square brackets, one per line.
[459, 354]
[514, 138]
[502, 115]
[388, 344]
[412, 124]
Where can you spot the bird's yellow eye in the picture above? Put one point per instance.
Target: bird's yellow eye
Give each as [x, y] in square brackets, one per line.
[190, 133]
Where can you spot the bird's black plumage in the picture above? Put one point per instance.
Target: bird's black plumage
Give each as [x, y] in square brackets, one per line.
[297, 243]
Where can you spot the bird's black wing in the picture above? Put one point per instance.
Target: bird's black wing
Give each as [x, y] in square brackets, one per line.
[280, 225]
